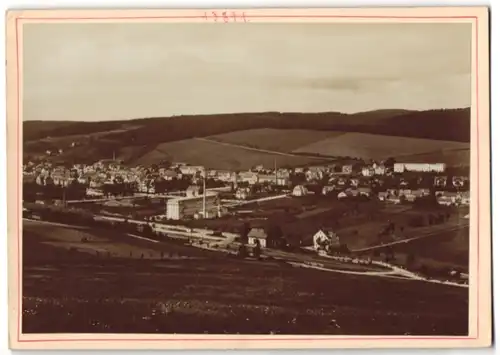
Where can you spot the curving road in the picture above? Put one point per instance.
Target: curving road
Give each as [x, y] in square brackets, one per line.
[297, 260]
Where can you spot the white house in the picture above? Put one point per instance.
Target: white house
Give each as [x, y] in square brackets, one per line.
[248, 176]
[419, 167]
[169, 174]
[367, 171]
[440, 181]
[193, 191]
[324, 239]
[257, 235]
[327, 189]
[283, 181]
[190, 170]
[347, 169]
[380, 170]
[459, 181]
[242, 194]
[266, 178]
[299, 190]
[91, 192]
[365, 191]
[382, 195]
[447, 198]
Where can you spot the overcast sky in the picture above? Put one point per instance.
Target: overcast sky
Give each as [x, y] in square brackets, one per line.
[97, 72]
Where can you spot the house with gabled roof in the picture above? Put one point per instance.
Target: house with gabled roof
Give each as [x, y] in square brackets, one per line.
[325, 238]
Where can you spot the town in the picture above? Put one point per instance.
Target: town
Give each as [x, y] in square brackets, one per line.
[359, 212]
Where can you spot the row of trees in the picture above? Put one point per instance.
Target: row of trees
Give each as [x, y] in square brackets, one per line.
[85, 218]
[33, 192]
[432, 219]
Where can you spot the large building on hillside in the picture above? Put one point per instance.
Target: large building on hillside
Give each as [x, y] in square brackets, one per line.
[190, 206]
[419, 167]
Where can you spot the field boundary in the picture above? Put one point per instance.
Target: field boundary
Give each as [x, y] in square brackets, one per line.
[260, 150]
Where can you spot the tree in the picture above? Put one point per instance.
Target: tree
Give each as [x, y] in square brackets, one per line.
[389, 163]
[244, 230]
[410, 259]
[242, 251]
[389, 254]
[274, 232]
[147, 230]
[417, 221]
[426, 201]
[424, 270]
[257, 250]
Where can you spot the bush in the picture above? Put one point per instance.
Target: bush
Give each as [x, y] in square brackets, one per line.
[417, 221]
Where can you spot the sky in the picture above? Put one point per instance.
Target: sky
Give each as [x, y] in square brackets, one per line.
[94, 72]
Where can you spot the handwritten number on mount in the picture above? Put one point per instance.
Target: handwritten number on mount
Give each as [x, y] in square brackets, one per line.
[225, 16]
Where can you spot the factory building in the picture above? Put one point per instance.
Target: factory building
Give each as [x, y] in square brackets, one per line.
[193, 205]
[420, 167]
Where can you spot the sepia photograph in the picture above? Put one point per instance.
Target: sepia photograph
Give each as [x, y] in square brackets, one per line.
[223, 173]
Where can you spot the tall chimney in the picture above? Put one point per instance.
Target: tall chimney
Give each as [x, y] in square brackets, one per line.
[204, 195]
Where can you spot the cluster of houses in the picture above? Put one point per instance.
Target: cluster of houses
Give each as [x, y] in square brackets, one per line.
[345, 180]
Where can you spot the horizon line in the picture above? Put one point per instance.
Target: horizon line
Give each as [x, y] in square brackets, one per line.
[255, 113]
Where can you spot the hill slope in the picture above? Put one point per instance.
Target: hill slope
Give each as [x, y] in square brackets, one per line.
[140, 136]
[375, 146]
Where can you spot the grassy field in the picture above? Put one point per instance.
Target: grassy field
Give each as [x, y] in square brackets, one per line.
[130, 144]
[372, 146]
[360, 230]
[358, 226]
[217, 156]
[280, 140]
[71, 291]
[335, 143]
[447, 250]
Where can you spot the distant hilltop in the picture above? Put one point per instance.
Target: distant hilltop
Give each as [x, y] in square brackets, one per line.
[135, 138]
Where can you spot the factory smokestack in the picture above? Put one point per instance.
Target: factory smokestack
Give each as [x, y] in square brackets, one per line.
[204, 177]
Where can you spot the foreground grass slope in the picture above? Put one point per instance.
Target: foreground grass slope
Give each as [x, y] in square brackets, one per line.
[74, 292]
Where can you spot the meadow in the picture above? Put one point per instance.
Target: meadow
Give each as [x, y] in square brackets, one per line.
[217, 156]
[280, 140]
[372, 146]
[131, 139]
[77, 292]
[450, 250]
